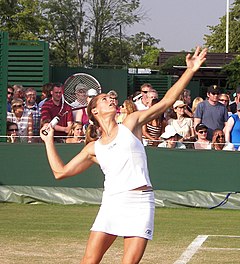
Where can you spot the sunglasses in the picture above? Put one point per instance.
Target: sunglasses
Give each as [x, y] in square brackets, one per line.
[10, 93]
[202, 131]
[220, 136]
[18, 106]
[144, 92]
[181, 107]
[223, 100]
[215, 93]
[14, 129]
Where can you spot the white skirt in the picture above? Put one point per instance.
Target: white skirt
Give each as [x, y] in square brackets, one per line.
[126, 214]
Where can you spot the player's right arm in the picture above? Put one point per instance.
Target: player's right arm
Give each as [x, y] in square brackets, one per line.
[77, 165]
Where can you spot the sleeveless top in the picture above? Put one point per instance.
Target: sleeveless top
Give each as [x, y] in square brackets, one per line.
[123, 162]
[155, 132]
[235, 133]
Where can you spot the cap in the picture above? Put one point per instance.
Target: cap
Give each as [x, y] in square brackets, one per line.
[200, 126]
[213, 89]
[169, 132]
[92, 92]
[238, 106]
[178, 103]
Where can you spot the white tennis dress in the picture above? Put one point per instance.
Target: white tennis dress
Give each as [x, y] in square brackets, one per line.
[124, 212]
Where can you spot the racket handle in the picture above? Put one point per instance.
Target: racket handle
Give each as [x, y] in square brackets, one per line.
[52, 124]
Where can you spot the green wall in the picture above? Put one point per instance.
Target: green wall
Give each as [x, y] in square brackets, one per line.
[173, 170]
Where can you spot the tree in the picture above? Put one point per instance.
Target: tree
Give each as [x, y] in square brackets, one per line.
[216, 42]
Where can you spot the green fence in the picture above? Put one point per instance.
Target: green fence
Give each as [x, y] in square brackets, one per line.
[3, 79]
[172, 170]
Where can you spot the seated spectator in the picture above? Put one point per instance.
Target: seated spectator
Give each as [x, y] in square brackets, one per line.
[153, 129]
[171, 139]
[76, 134]
[18, 91]
[46, 94]
[232, 128]
[186, 98]
[225, 99]
[23, 119]
[12, 132]
[219, 143]
[195, 103]
[183, 125]
[10, 92]
[126, 108]
[153, 94]
[114, 96]
[202, 141]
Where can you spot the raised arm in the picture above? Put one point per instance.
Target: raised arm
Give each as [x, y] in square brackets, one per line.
[78, 164]
[193, 64]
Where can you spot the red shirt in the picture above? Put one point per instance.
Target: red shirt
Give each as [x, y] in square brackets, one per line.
[50, 110]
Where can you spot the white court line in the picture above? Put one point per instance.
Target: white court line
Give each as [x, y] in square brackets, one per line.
[191, 249]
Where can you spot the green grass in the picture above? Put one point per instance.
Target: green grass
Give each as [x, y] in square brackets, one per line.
[58, 234]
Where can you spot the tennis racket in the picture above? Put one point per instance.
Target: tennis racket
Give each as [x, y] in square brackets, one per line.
[78, 82]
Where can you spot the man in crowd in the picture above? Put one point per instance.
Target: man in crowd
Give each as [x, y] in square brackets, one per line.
[142, 103]
[56, 107]
[210, 112]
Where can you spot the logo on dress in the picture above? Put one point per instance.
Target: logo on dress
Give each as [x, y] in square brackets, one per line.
[112, 146]
[148, 232]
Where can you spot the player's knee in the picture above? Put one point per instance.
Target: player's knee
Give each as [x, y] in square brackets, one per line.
[90, 259]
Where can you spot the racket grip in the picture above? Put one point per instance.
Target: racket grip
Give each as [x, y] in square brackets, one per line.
[52, 124]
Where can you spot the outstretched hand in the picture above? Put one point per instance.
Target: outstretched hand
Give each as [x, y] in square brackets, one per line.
[197, 59]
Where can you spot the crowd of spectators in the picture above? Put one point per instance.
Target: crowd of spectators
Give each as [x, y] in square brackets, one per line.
[193, 123]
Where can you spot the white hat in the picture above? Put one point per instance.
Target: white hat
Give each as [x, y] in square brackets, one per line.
[178, 103]
[92, 92]
[169, 132]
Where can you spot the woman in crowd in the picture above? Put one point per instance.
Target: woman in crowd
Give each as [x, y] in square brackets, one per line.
[219, 143]
[153, 129]
[232, 128]
[126, 108]
[23, 119]
[76, 134]
[182, 125]
[225, 99]
[12, 132]
[195, 103]
[202, 141]
[127, 207]
[171, 139]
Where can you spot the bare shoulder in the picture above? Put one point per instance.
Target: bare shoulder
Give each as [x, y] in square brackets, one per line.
[89, 150]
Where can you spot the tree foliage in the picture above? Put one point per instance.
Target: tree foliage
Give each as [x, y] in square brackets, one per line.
[216, 41]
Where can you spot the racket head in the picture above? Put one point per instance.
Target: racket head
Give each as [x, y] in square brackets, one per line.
[76, 87]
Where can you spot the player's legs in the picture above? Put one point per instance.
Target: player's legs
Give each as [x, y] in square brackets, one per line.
[98, 244]
[134, 248]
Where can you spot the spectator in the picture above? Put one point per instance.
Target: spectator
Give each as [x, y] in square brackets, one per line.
[225, 99]
[18, 91]
[56, 107]
[10, 92]
[12, 132]
[219, 143]
[150, 96]
[232, 129]
[182, 125]
[142, 103]
[32, 107]
[186, 98]
[81, 115]
[23, 119]
[202, 141]
[79, 105]
[153, 129]
[210, 112]
[76, 134]
[236, 95]
[195, 103]
[126, 108]
[114, 96]
[171, 139]
[46, 94]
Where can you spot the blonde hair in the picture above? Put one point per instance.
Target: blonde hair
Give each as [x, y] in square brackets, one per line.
[195, 103]
[73, 126]
[130, 106]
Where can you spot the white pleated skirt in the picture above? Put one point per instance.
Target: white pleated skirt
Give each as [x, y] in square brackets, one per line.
[126, 214]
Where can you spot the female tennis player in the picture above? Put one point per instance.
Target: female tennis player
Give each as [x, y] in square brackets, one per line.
[127, 207]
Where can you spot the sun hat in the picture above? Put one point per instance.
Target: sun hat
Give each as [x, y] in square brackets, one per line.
[169, 132]
[92, 92]
[178, 103]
